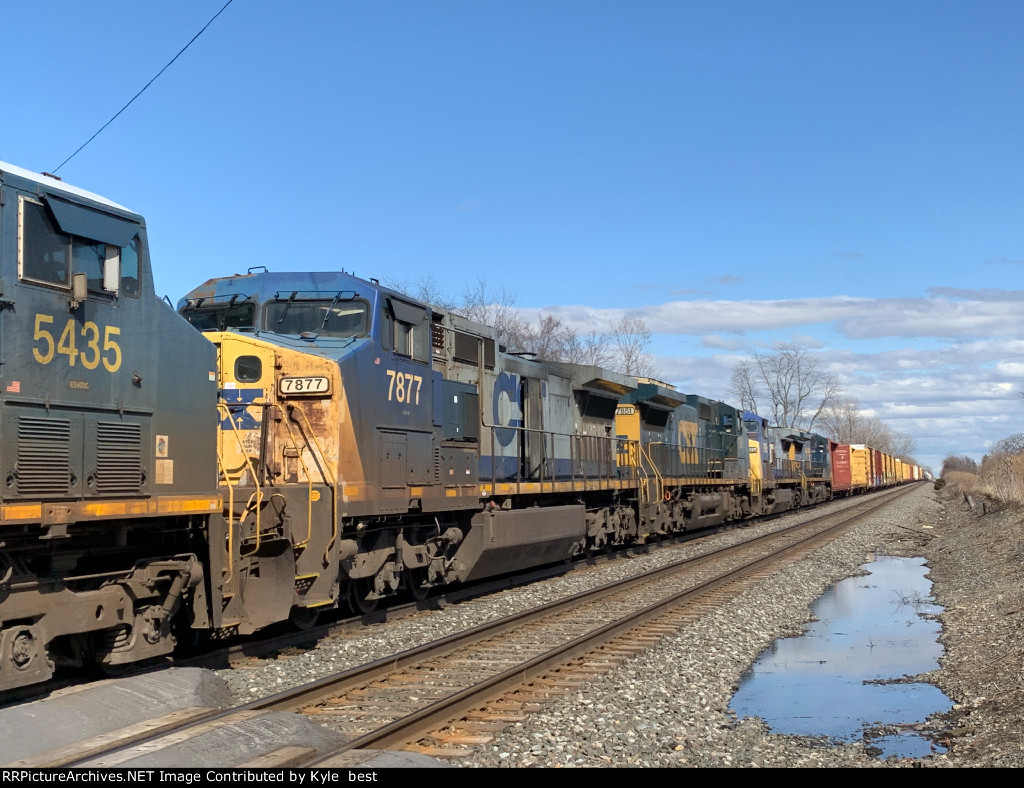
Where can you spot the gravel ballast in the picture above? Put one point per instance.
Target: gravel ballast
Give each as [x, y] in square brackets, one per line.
[669, 707]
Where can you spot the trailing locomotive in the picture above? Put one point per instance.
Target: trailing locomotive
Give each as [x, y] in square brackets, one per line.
[310, 441]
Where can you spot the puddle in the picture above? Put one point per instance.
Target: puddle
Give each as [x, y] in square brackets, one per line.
[837, 680]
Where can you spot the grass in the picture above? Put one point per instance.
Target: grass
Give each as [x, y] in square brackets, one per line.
[1000, 478]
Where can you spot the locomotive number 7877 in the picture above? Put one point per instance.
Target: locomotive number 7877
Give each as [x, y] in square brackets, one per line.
[403, 387]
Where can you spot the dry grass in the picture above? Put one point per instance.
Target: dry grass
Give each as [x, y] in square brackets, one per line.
[1001, 478]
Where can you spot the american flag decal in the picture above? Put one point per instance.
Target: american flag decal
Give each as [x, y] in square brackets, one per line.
[14, 387]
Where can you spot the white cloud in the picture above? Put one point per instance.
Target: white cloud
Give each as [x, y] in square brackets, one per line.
[946, 315]
[1011, 369]
[724, 343]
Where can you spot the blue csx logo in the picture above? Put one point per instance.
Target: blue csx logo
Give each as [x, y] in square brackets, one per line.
[507, 407]
[239, 416]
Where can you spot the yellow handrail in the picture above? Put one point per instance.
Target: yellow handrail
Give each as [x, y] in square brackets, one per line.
[657, 473]
[333, 482]
[223, 406]
[230, 520]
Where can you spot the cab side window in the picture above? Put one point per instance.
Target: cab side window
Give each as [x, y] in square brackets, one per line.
[405, 338]
[130, 274]
[44, 251]
[49, 255]
[407, 330]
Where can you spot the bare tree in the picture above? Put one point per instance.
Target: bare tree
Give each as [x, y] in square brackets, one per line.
[953, 462]
[841, 421]
[845, 422]
[744, 386]
[549, 339]
[1012, 444]
[901, 445]
[426, 289]
[592, 348]
[789, 382]
[498, 311]
[632, 340]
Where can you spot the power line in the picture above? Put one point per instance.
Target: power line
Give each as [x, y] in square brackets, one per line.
[161, 71]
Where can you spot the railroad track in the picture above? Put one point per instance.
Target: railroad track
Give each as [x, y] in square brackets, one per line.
[449, 696]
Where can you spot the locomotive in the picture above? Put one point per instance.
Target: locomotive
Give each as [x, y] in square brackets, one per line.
[294, 442]
[107, 437]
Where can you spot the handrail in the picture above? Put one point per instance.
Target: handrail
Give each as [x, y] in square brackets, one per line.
[230, 521]
[305, 470]
[333, 482]
[258, 496]
[645, 454]
[621, 456]
[608, 465]
[252, 471]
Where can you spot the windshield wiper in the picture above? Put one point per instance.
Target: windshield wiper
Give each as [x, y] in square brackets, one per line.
[287, 304]
[327, 314]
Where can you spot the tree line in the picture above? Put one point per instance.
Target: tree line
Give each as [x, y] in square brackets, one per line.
[625, 347]
[789, 386]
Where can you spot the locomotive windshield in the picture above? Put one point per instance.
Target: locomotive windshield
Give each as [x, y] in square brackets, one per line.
[333, 318]
[219, 316]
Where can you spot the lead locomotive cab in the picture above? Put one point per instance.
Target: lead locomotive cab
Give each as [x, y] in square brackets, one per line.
[98, 470]
[65, 323]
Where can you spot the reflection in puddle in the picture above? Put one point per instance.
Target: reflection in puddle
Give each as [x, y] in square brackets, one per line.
[835, 680]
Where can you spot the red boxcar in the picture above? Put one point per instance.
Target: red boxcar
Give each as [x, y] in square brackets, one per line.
[842, 478]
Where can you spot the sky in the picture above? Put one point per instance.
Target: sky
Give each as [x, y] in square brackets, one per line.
[844, 176]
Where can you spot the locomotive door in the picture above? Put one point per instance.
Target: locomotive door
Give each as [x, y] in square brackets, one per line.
[531, 440]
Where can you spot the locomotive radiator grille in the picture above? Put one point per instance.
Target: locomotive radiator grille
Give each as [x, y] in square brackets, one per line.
[44, 464]
[118, 457]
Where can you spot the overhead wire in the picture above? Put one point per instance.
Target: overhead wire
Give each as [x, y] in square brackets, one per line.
[161, 71]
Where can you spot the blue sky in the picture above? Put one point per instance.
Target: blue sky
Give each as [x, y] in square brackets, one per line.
[847, 176]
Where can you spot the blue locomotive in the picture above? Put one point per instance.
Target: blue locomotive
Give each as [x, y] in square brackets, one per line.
[107, 437]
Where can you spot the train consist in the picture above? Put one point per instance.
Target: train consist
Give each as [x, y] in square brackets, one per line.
[295, 442]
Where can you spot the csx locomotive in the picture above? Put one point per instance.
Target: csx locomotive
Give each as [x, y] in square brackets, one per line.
[295, 442]
[108, 438]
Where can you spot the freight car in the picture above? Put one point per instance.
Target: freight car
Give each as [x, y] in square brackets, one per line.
[310, 441]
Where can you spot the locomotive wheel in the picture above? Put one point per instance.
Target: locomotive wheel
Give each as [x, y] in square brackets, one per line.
[303, 618]
[358, 590]
[414, 579]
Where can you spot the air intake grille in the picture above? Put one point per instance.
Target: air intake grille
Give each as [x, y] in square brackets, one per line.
[44, 466]
[118, 457]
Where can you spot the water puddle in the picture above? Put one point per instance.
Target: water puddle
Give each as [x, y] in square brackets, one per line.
[843, 677]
